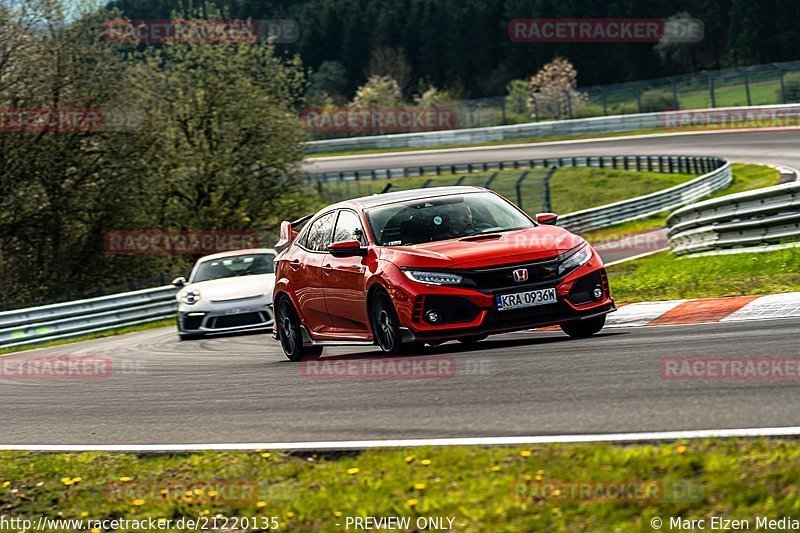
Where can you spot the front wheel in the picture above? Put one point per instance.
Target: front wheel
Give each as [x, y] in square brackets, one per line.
[289, 333]
[584, 328]
[386, 326]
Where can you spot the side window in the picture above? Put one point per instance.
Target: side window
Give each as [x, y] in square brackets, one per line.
[348, 227]
[319, 234]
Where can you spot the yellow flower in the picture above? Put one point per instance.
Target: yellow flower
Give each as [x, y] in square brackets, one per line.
[526, 453]
[84, 514]
[409, 458]
[124, 479]
[527, 477]
[205, 512]
[95, 530]
[419, 486]
[187, 493]
[198, 492]
[556, 492]
[6, 484]
[556, 510]
[352, 471]
[495, 468]
[66, 481]
[138, 501]
[266, 454]
[188, 500]
[77, 479]
[412, 502]
[290, 514]
[212, 493]
[540, 472]
[425, 462]
[538, 477]
[164, 492]
[257, 450]
[337, 513]
[261, 504]
[681, 449]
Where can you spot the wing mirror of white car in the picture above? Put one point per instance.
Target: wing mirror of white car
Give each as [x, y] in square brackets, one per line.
[179, 282]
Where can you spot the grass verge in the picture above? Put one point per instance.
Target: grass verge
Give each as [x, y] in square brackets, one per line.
[666, 277]
[480, 488]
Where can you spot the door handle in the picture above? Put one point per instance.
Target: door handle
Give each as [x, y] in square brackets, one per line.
[295, 264]
[328, 269]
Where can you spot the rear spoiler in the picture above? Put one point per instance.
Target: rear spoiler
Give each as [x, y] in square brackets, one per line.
[288, 234]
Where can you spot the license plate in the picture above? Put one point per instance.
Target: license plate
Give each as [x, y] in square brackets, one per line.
[526, 299]
[235, 311]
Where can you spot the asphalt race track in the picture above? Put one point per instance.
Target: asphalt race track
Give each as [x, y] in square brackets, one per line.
[240, 389]
[769, 147]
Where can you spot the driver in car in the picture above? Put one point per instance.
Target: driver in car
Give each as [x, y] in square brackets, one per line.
[459, 222]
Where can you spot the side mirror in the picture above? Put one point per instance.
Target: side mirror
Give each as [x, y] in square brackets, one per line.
[179, 282]
[547, 218]
[346, 248]
[287, 234]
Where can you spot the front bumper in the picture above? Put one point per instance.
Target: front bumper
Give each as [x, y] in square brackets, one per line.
[224, 320]
[469, 311]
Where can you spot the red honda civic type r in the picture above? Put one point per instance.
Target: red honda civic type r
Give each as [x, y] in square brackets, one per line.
[429, 265]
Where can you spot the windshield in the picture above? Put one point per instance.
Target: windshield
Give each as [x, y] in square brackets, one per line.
[234, 266]
[447, 217]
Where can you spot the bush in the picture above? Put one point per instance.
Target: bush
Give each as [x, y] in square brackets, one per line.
[656, 100]
[791, 84]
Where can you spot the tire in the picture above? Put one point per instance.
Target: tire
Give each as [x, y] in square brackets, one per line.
[578, 329]
[386, 326]
[472, 339]
[289, 333]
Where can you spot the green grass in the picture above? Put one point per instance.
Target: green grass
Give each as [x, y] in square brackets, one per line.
[474, 485]
[572, 189]
[97, 335]
[667, 277]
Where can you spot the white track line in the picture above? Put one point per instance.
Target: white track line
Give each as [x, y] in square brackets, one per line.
[790, 431]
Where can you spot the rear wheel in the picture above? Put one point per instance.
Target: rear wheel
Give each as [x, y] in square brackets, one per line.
[386, 326]
[289, 333]
[584, 328]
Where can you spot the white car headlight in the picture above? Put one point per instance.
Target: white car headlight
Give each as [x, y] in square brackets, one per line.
[575, 260]
[190, 296]
[433, 278]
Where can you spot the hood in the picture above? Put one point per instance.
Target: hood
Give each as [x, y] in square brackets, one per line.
[481, 251]
[236, 288]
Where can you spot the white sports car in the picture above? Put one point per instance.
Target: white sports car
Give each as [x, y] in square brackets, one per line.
[229, 291]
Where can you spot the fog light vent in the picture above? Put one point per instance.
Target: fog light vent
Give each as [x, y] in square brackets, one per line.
[433, 316]
[597, 293]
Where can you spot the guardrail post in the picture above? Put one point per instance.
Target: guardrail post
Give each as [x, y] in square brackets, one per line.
[783, 87]
[490, 180]
[460, 180]
[518, 186]
[547, 206]
[747, 86]
[711, 90]
[605, 101]
[638, 97]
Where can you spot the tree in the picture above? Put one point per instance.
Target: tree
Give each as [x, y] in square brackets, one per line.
[553, 89]
[378, 91]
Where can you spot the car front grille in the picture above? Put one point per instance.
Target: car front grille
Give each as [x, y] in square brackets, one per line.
[234, 321]
[500, 279]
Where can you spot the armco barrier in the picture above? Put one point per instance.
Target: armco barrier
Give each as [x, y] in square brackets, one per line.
[716, 175]
[781, 114]
[762, 216]
[37, 325]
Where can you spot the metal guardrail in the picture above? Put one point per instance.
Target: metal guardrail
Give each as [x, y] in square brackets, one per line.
[556, 128]
[37, 325]
[716, 175]
[762, 216]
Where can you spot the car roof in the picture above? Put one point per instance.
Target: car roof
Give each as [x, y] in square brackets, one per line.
[403, 196]
[230, 253]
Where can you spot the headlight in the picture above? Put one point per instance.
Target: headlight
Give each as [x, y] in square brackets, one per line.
[190, 296]
[575, 260]
[433, 278]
